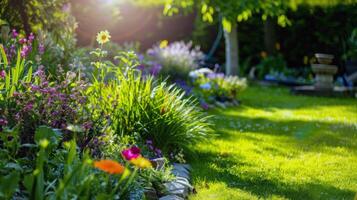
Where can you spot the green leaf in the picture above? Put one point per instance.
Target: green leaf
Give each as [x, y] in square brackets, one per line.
[44, 132]
[227, 25]
[9, 184]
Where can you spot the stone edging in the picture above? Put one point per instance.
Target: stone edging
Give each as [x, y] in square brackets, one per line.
[179, 188]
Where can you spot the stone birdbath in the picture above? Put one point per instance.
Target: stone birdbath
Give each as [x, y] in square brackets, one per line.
[324, 72]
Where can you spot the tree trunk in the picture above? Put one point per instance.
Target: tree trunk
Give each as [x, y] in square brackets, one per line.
[270, 36]
[20, 6]
[231, 39]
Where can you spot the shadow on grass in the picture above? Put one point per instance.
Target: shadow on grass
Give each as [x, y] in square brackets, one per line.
[303, 133]
[258, 184]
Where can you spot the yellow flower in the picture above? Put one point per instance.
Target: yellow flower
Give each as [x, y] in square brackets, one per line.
[141, 162]
[103, 37]
[164, 44]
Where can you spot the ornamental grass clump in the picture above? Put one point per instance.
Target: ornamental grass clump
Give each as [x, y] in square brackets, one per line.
[130, 104]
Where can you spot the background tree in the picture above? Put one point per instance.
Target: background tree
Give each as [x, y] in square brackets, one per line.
[231, 12]
[52, 18]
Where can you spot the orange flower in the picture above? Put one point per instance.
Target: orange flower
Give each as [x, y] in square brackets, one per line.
[109, 166]
[141, 162]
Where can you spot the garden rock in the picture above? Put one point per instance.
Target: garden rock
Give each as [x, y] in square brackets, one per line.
[158, 163]
[181, 170]
[171, 197]
[179, 187]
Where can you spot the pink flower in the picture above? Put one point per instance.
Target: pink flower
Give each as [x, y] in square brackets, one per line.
[131, 153]
[2, 74]
[22, 41]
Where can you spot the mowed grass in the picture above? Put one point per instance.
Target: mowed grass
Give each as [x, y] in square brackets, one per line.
[279, 146]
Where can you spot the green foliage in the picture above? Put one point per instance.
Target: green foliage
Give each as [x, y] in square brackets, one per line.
[270, 64]
[14, 75]
[351, 46]
[238, 11]
[128, 104]
[51, 20]
[9, 184]
[57, 173]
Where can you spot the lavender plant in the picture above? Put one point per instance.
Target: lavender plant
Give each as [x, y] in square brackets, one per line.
[176, 60]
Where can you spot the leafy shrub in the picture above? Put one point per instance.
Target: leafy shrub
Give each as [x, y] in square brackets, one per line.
[270, 64]
[176, 59]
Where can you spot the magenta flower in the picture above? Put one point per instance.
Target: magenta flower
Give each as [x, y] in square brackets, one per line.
[2, 74]
[31, 37]
[3, 122]
[22, 41]
[131, 153]
[14, 33]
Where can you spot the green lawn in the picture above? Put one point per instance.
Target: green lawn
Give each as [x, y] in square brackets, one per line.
[279, 146]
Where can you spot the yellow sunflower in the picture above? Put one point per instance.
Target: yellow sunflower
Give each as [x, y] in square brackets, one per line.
[103, 37]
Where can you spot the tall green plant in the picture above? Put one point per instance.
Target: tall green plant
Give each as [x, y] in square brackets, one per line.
[129, 104]
[13, 76]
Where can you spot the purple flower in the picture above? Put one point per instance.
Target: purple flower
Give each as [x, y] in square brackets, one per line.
[141, 68]
[25, 51]
[220, 75]
[3, 122]
[17, 116]
[2, 74]
[131, 153]
[211, 75]
[205, 105]
[66, 7]
[14, 33]
[35, 88]
[155, 70]
[28, 107]
[41, 49]
[158, 152]
[31, 37]
[141, 57]
[87, 125]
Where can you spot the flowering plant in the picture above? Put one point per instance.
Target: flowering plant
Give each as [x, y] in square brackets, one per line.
[211, 87]
[14, 42]
[176, 59]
